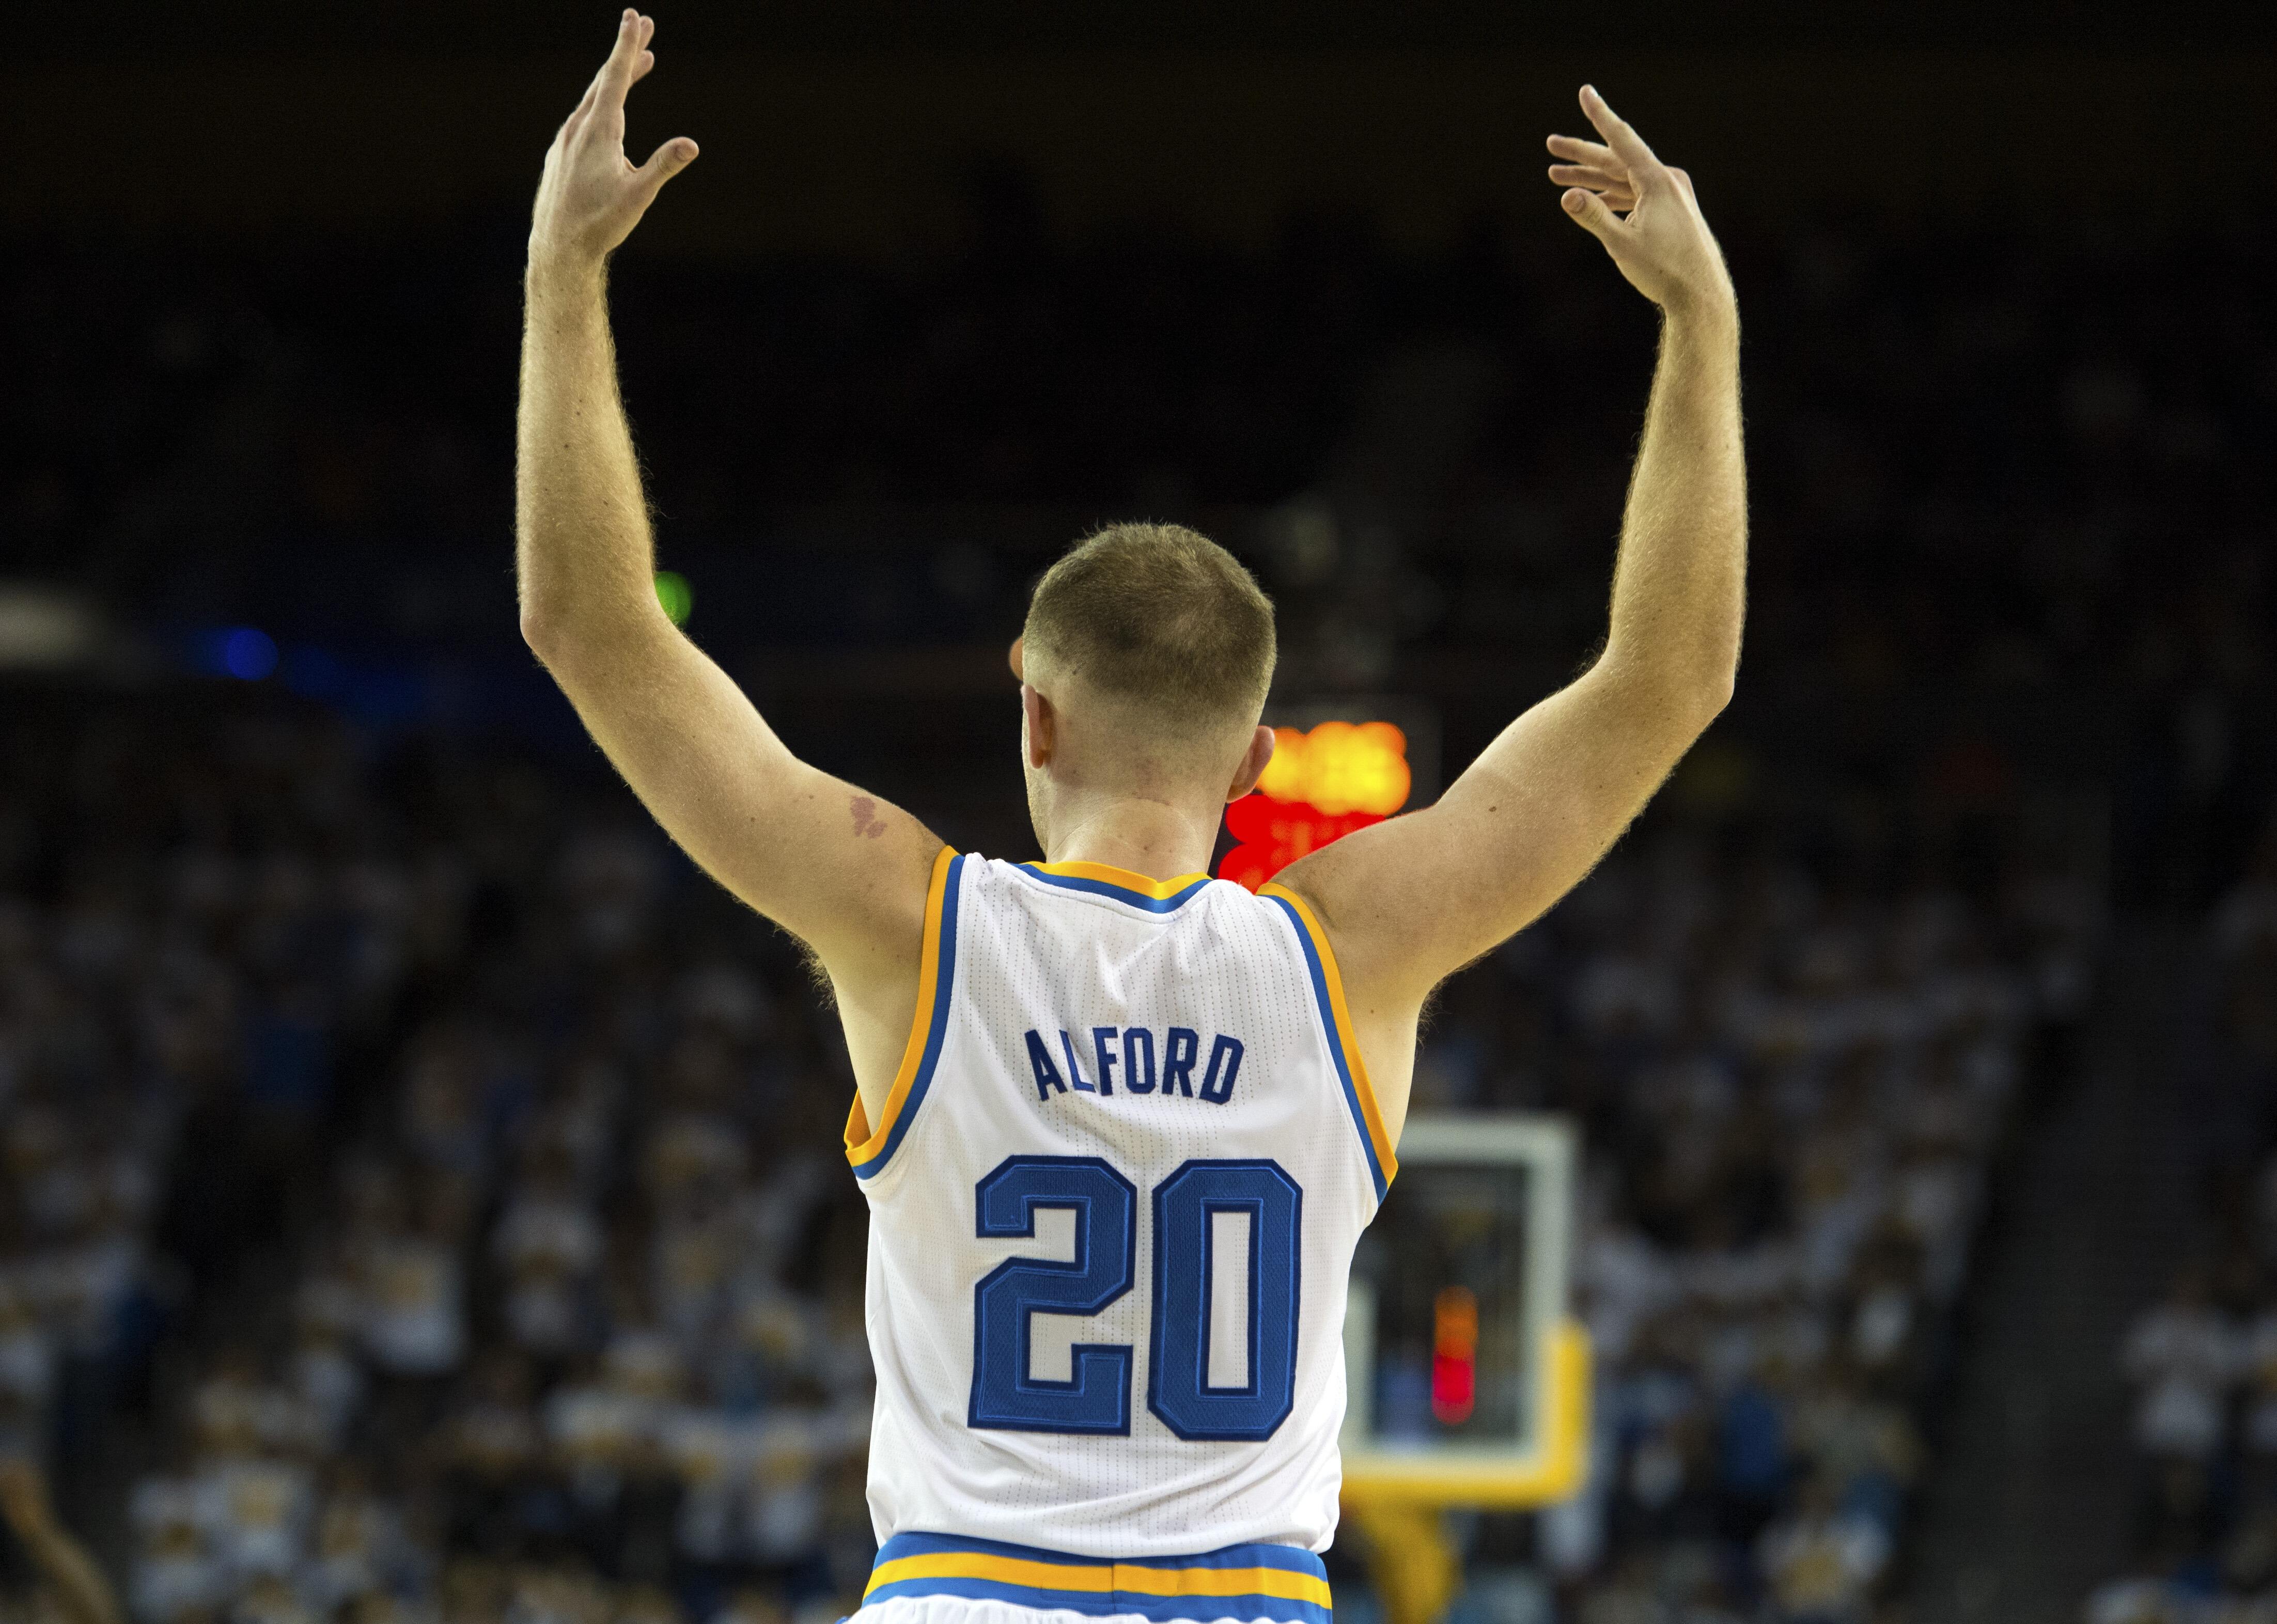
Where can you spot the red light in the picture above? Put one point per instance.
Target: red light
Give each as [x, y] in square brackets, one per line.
[1454, 1355]
[1320, 787]
[1274, 833]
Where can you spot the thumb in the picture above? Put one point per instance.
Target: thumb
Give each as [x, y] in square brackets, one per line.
[665, 162]
[1589, 212]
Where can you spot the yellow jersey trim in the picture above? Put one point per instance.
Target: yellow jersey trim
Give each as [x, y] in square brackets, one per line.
[862, 1144]
[1103, 1578]
[1340, 1013]
[1124, 879]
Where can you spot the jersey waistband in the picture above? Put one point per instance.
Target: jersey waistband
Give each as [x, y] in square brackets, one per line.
[1281, 1583]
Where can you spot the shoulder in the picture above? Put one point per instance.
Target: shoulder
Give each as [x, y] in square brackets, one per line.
[1373, 912]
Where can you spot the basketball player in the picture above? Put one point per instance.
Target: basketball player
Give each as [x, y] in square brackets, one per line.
[1120, 1126]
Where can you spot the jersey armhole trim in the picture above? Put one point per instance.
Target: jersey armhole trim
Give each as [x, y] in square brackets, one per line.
[870, 1150]
[1336, 1019]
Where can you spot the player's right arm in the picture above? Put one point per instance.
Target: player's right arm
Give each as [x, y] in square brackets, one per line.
[844, 871]
[1407, 903]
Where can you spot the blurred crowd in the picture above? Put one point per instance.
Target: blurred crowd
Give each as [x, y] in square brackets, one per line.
[553, 1305]
[429, 1185]
[86, 1125]
[1794, 1069]
[497, 1266]
[2202, 1362]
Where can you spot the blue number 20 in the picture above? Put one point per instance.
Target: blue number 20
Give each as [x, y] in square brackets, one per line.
[1177, 1387]
[1096, 1395]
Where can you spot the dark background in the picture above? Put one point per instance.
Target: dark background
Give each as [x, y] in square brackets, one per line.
[951, 285]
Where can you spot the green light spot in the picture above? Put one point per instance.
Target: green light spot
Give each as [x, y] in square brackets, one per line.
[677, 597]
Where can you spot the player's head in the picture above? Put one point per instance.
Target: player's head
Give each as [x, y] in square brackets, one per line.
[1144, 662]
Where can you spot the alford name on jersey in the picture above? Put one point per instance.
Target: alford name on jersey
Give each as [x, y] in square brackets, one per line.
[1130, 1051]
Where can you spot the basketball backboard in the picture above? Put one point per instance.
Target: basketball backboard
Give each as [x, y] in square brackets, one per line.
[1466, 1381]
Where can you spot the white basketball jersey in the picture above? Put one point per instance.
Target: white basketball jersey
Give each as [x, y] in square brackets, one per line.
[1113, 1200]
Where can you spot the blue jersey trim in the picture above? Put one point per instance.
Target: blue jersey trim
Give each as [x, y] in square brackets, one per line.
[1170, 903]
[1290, 1584]
[944, 980]
[1115, 1604]
[1336, 1043]
[1291, 1558]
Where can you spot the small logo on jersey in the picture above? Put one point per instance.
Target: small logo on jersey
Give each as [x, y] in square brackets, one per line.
[1125, 1056]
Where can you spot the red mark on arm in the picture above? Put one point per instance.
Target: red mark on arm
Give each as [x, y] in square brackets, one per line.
[866, 821]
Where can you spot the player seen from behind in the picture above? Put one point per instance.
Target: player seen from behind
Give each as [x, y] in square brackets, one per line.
[1121, 1125]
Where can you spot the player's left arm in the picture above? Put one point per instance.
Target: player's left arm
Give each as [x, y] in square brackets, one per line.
[846, 872]
[1408, 902]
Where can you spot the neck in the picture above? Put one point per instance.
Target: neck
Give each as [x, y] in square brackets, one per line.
[1155, 838]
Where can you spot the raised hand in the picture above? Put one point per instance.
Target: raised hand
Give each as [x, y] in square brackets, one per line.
[1642, 211]
[591, 196]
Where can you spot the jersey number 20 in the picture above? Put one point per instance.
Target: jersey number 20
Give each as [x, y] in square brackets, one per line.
[1096, 1395]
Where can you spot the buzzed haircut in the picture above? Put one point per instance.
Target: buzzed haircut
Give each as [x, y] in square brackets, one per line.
[1162, 618]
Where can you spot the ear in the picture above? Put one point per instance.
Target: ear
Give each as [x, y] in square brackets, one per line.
[1037, 721]
[1252, 764]
[1018, 660]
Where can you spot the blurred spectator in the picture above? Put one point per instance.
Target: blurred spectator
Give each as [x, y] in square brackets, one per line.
[2183, 1355]
[1793, 1082]
[2204, 1361]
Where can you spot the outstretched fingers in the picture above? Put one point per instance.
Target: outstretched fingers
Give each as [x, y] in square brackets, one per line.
[1627, 146]
[623, 67]
[1573, 150]
[1590, 164]
[590, 196]
[627, 61]
[1582, 174]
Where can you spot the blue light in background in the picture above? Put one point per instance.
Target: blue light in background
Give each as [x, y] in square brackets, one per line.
[247, 653]
[385, 687]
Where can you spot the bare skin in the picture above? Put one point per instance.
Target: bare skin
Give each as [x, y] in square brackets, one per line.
[843, 869]
[1405, 902]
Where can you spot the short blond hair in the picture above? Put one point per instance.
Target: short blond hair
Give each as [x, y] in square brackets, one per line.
[1161, 618]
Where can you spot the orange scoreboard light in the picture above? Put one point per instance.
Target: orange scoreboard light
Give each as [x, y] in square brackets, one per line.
[1454, 1354]
[1321, 784]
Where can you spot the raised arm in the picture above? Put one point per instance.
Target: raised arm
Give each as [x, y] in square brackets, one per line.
[844, 871]
[1407, 901]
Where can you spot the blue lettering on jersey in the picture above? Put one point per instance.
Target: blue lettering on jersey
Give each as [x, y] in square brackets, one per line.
[1075, 1071]
[1178, 1060]
[1138, 1044]
[1048, 1075]
[1182, 1051]
[1225, 1054]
